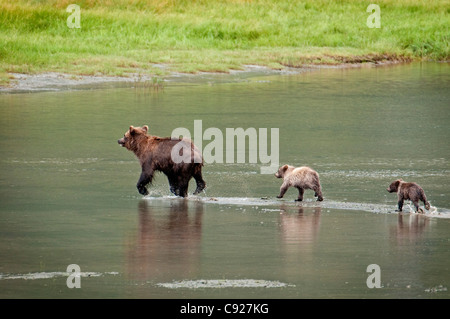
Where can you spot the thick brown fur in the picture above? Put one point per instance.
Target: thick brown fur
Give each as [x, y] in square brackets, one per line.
[154, 154]
[301, 178]
[410, 191]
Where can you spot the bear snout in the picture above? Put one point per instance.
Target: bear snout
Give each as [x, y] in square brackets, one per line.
[121, 142]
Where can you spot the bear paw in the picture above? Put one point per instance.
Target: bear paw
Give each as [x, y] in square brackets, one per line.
[143, 191]
[198, 190]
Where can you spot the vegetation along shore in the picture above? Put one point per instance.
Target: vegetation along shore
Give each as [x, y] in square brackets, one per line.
[157, 37]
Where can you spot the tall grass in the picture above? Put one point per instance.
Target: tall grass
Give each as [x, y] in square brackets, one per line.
[121, 36]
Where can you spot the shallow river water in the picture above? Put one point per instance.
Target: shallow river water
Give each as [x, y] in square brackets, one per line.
[68, 192]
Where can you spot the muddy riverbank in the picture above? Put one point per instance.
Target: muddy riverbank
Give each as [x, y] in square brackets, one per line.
[54, 81]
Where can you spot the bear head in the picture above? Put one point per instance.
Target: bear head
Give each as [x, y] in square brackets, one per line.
[281, 171]
[132, 137]
[394, 186]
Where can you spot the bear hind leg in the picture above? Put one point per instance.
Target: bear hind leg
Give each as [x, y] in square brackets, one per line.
[424, 200]
[418, 209]
[200, 182]
[174, 185]
[183, 191]
[183, 184]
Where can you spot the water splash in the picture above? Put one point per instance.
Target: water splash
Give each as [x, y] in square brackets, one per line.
[224, 283]
[434, 212]
[439, 288]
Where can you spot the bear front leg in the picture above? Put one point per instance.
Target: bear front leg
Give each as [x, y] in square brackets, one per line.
[144, 179]
[300, 194]
[400, 205]
[283, 190]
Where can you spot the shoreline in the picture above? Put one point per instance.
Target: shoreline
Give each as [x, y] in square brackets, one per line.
[57, 81]
[125, 41]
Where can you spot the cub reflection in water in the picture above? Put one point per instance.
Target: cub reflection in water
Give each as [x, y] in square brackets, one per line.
[299, 233]
[299, 228]
[409, 227]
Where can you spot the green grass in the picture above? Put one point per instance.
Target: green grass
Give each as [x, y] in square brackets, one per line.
[119, 37]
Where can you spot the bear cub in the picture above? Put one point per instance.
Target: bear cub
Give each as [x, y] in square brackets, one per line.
[410, 191]
[155, 154]
[301, 178]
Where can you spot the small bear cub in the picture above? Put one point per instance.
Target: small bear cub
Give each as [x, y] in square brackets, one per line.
[410, 191]
[301, 178]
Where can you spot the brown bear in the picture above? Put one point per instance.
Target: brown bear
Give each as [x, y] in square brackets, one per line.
[157, 154]
[410, 191]
[301, 178]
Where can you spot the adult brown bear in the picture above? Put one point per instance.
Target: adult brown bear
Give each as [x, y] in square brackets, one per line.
[165, 155]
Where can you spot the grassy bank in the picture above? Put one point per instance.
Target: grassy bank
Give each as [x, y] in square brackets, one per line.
[118, 37]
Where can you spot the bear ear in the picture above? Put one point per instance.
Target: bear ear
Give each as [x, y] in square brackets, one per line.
[145, 128]
[284, 167]
[132, 129]
[400, 180]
